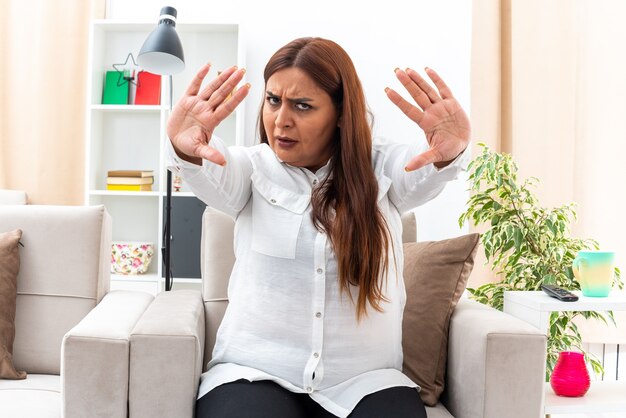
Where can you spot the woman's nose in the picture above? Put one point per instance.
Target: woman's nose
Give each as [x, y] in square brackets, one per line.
[283, 117]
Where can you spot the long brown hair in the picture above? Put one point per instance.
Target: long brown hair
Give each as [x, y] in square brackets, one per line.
[345, 205]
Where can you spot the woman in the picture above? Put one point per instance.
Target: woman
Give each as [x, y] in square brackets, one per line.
[313, 325]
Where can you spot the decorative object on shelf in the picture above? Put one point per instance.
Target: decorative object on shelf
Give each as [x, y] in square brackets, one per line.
[148, 89]
[178, 183]
[126, 72]
[527, 244]
[570, 376]
[112, 92]
[595, 271]
[131, 257]
[130, 180]
[162, 53]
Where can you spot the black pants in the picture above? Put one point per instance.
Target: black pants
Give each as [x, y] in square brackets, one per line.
[267, 399]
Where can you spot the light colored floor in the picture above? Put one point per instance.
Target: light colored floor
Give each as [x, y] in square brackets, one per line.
[612, 415]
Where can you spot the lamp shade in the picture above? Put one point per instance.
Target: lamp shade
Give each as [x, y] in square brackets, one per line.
[162, 51]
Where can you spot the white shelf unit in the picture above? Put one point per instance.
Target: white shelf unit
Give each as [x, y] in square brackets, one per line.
[132, 137]
[535, 308]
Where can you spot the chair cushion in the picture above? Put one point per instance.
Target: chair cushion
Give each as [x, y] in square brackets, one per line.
[437, 411]
[38, 396]
[435, 275]
[9, 267]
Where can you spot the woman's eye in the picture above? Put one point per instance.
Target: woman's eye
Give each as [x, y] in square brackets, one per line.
[302, 106]
[273, 101]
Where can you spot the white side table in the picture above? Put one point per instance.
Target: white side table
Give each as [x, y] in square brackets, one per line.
[535, 308]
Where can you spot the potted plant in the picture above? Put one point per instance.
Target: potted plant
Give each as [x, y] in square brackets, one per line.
[527, 245]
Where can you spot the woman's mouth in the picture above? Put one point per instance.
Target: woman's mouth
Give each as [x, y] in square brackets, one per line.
[285, 142]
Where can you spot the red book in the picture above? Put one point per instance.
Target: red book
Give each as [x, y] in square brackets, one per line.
[148, 89]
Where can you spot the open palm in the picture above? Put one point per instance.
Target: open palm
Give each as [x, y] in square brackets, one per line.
[197, 114]
[438, 114]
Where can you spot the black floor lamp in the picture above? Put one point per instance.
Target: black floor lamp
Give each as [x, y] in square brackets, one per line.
[162, 53]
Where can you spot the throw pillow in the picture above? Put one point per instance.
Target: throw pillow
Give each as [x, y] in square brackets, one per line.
[435, 276]
[9, 267]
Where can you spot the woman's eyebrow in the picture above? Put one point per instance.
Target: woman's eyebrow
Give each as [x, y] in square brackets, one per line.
[293, 100]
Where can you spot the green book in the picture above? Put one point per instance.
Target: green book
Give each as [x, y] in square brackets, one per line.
[115, 88]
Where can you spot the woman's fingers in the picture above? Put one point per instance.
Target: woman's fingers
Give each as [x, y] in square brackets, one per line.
[427, 157]
[226, 88]
[206, 92]
[423, 85]
[420, 97]
[210, 154]
[228, 106]
[195, 84]
[407, 108]
[443, 88]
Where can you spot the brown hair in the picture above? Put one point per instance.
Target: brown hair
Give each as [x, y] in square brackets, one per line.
[345, 205]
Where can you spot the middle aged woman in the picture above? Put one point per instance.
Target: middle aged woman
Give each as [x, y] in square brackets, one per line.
[314, 322]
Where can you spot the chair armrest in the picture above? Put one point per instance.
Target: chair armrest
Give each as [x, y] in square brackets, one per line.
[496, 364]
[166, 349]
[95, 357]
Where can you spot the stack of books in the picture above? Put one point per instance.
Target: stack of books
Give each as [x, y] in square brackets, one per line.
[130, 180]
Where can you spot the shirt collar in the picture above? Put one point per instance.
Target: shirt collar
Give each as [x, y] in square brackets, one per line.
[321, 172]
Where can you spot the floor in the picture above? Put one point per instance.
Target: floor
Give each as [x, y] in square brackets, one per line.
[612, 415]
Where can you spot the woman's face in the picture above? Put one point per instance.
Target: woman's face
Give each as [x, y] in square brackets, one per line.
[300, 119]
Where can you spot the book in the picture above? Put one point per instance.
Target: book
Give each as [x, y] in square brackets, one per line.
[114, 91]
[130, 173]
[130, 180]
[130, 187]
[148, 90]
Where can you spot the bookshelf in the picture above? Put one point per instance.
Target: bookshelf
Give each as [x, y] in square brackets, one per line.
[120, 137]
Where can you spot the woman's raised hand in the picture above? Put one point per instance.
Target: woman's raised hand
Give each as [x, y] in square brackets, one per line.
[439, 114]
[197, 114]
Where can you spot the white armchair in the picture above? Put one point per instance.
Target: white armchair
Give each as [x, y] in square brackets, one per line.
[495, 361]
[72, 334]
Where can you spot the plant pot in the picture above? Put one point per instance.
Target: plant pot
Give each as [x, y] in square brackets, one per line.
[570, 376]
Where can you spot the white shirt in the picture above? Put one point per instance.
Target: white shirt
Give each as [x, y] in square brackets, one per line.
[285, 320]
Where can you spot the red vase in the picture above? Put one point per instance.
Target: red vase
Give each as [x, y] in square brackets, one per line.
[570, 376]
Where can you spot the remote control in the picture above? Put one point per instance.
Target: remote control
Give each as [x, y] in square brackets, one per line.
[559, 293]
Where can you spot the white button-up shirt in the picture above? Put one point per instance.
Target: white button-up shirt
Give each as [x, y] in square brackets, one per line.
[286, 320]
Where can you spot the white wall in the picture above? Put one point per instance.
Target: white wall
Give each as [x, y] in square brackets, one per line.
[379, 37]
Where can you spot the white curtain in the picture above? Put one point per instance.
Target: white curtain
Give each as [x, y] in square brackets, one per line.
[43, 72]
[549, 87]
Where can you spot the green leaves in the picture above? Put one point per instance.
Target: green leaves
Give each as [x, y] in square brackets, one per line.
[526, 244]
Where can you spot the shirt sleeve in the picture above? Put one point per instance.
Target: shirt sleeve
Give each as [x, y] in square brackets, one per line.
[226, 188]
[411, 189]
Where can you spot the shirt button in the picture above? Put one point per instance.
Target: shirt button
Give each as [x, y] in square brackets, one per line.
[318, 315]
[320, 271]
[309, 389]
[273, 200]
[314, 182]
[316, 355]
